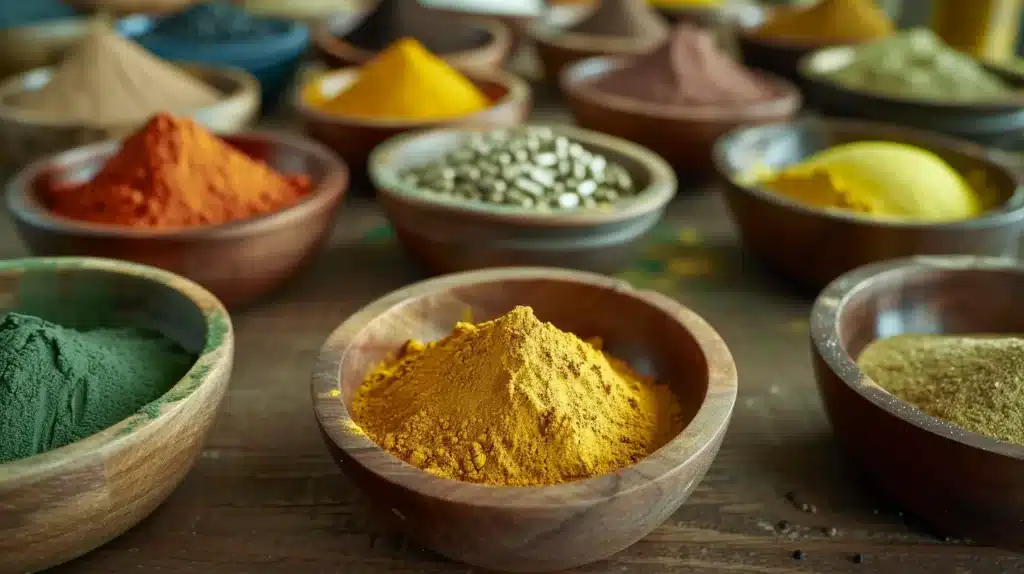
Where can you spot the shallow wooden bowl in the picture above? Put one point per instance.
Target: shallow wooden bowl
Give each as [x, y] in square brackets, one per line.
[492, 49]
[964, 483]
[63, 503]
[24, 48]
[25, 137]
[446, 234]
[239, 262]
[532, 529]
[354, 138]
[684, 136]
[813, 246]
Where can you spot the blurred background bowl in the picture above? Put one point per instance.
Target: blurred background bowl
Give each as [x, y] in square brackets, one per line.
[446, 234]
[684, 136]
[966, 484]
[534, 529]
[812, 246]
[354, 138]
[23, 48]
[273, 60]
[132, 6]
[25, 138]
[983, 123]
[63, 503]
[239, 262]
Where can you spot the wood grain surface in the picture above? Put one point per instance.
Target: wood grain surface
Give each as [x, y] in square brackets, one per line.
[266, 497]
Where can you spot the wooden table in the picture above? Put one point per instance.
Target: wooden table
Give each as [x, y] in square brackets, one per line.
[265, 497]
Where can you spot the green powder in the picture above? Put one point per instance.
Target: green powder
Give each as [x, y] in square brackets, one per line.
[60, 385]
[973, 381]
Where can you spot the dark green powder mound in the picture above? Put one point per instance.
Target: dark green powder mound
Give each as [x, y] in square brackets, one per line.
[60, 385]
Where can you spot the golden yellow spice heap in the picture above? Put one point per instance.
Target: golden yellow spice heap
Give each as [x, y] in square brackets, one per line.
[514, 401]
[404, 82]
[828, 22]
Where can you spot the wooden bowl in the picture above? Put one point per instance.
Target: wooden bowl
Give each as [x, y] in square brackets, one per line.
[490, 53]
[982, 122]
[446, 234]
[813, 246]
[684, 136]
[63, 503]
[532, 529]
[239, 262]
[964, 483]
[557, 47]
[24, 48]
[25, 137]
[354, 138]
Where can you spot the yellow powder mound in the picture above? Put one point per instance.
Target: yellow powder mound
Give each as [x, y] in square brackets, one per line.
[829, 21]
[514, 401]
[406, 82]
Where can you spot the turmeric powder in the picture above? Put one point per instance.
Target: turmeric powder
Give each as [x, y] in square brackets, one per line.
[828, 22]
[514, 402]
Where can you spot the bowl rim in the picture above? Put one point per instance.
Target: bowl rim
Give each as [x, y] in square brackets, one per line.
[244, 86]
[708, 424]
[215, 358]
[807, 62]
[323, 193]
[826, 313]
[293, 37]
[786, 102]
[516, 90]
[660, 190]
[1009, 211]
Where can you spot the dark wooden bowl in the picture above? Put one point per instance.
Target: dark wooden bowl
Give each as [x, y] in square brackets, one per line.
[493, 49]
[684, 136]
[532, 529]
[63, 503]
[964, 483]
[239, 262]
[813, 246]
[445, 234]
[354, 138]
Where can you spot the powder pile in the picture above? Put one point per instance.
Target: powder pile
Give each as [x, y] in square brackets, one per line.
[109, 81]
[623, 19]
[828, 22]
[514, 401]
[688, 70]
[60, 385]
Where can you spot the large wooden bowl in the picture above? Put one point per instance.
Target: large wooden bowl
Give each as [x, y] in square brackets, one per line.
[964, 483]
[813, 246]
[684, 136]
[239, 262]
[63, 503]
[532, 529]
[445, 234]
[354, 138]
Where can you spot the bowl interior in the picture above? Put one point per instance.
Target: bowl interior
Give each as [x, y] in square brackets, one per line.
[777, 145]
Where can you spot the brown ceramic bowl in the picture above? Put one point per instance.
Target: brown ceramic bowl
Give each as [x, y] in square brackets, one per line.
[813, 246]
[25, 137]
[239, 262]
[23, 48]
[354, 138]
[532, 529]
[557, 48]
[445, 234]
[63, 503]
[492, 48]
[682, 135]
[964, 483]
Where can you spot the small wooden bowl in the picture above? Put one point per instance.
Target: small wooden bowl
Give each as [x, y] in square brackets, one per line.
[813, 246]
[63, 503]
[25, 138]
[684, 136]
[557, 47]
[962, 482]
[354, 138]
[25, 48]
[532, 529]
[446, 235]
[490, 53]
[239, 262]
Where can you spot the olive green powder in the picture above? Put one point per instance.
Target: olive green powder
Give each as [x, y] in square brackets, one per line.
[59, 385]
[973, 381]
